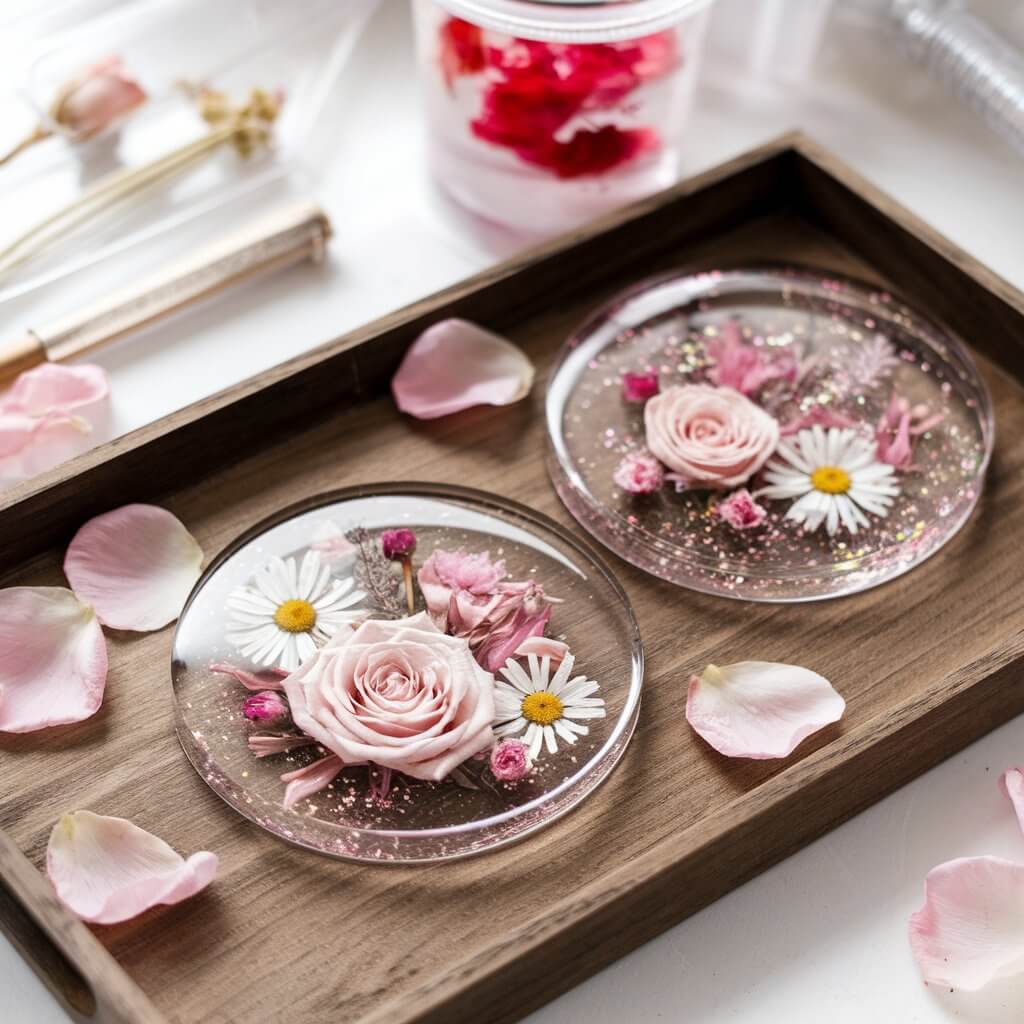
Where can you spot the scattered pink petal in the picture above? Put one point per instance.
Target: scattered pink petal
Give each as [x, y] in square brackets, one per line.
[268, 680]
[53, 659]
[55, 388]
[760, 709]
[511, 633]
[135, 565]
[1013, 786]
[265, 745]
[330, 541]
[639, 473]
[543, 647]
[309, 780]
[108, 870]
[638, 387]
[455, 365]
[970, 929]
[900, 425]
[741, 511]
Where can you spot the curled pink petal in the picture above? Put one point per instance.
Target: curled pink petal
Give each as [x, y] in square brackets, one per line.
[108, 870]
[53, 659]
[970, 929]
[135, 565]
[269, 680]
[309, 780]
[543, 647]
[1013, 786]
[760, 709]
[455, 365]
[264, 745]
[54, 388]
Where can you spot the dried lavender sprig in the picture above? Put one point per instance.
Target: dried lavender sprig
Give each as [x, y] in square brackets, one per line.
[373, 573]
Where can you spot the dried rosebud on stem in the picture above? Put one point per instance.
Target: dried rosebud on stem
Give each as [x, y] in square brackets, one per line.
[267, 707]
[398, 546]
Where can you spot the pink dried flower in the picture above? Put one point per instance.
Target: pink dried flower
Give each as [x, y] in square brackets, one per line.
[265, 745]
[900, 423]
[741, 511]
[639, 473]
[638, 387]
[397, 544]
[743, 367]
[522, 613]
[267, 707]
[97, 98]
[510, 761]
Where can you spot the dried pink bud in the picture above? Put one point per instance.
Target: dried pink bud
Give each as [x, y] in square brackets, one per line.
[639, 473]
[96, 98]
[266, 707]
[741, 511]
[510, 761]
[638, 387]
[398, 544]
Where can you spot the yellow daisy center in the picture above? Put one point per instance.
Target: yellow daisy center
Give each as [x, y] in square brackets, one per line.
[830, 480]
[542, 707]
[295, 616]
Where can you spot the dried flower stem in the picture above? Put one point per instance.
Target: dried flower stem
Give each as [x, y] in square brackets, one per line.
[410, 597]
[37, 135]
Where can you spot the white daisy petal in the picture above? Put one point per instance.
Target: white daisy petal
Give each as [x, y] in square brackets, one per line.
[549, 740]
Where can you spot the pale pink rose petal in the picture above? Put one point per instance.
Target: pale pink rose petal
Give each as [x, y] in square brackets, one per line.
[543, 647]
[306, 781]
[455, 365]
[135, 565]
[970, 929]
[760, 709]
[54, 388]
[269, 680]
[53, 659]
[108, 870]
[1013, 786]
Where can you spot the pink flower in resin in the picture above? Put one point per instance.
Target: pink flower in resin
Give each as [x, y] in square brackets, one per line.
[398, 543]
[267, 707]
[900, 424]
[744, 367]
[639, 473]
[638, 387]
[510, 761]
[741, 511]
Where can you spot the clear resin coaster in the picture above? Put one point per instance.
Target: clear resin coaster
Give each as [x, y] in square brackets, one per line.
[768, 434]
[497, 703]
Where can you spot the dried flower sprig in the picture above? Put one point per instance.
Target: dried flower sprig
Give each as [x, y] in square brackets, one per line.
[247, 128]
[373, 573]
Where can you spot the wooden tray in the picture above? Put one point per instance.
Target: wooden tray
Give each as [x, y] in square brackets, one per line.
[927, 663]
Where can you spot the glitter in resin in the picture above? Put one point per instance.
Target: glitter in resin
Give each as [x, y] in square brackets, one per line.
[851, 344]
[412, 820]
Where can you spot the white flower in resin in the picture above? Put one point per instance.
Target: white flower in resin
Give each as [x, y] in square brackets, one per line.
[543, 707]
[289, 610]
[835, 477]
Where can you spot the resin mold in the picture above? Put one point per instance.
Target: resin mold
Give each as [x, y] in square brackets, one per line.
[848, 348]
[412, 820]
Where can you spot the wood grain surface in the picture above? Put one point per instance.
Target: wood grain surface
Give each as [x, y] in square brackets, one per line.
[926, 663]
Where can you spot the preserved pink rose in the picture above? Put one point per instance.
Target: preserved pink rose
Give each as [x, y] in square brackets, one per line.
[639, 473]
[741, 511]
[400, 694]
[712, 437]
[510, 761]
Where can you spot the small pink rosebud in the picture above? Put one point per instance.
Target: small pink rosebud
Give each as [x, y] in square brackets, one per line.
[510, 761]
[398, 544]
[638, 387]
[741, 511]
[639, 473]
[96, 98]
[266, 707]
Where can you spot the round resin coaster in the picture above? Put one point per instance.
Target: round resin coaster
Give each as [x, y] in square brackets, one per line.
[502, 699]
[768, 434]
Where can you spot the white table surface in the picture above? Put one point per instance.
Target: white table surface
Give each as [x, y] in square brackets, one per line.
[822, 936]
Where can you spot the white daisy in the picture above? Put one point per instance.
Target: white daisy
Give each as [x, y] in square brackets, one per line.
[288, 611]
[539, 707]
[834, 476]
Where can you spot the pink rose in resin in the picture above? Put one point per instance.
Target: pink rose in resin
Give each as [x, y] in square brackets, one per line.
[639, 473]
[510, 761]
[744, 367]
[400, 694]
[712, 437]
[467, 595]
[638, 387]
[741, 511]
[267, 707]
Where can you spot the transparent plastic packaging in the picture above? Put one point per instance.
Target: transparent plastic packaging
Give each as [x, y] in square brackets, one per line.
[541, 115]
